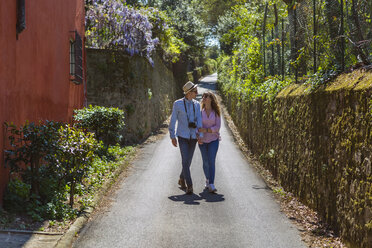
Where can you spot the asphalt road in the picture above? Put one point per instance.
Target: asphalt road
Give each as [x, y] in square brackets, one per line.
[149, 209]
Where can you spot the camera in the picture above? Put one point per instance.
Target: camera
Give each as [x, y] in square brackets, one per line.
[192, 125]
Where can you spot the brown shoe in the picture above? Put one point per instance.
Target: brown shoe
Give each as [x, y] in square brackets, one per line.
[182, 183]
[189, 190]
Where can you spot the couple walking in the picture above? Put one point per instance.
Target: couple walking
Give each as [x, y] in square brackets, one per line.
[196, 124]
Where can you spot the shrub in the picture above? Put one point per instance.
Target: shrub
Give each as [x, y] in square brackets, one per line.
[210, 66]
[105, 122]
[74, 156]
[46, 161]
[16, 195]
[67, 166]
[31, 148]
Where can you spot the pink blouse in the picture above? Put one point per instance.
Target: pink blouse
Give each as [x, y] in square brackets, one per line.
[214, 123]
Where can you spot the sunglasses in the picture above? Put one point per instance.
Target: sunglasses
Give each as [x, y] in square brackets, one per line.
[205, 96]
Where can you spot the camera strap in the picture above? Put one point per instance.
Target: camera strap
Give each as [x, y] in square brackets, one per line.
[193, 106]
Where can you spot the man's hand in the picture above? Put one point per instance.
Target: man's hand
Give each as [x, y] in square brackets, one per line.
[202, 130]
[174, 142]
[200, 142]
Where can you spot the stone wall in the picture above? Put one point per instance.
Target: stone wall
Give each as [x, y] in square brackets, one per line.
[319, 146]
[145, 93]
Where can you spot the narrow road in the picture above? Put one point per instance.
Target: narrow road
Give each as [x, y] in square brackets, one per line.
[149, 210]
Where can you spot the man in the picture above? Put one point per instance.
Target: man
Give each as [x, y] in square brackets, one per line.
[186, 112]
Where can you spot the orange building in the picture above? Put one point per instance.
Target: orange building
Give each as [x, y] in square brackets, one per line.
[41, 63]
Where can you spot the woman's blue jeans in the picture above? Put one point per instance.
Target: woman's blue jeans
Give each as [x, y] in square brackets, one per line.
[187, 148]
[209, 152]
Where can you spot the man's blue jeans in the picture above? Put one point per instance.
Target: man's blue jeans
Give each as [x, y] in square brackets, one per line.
[209, 152]
[187, 148]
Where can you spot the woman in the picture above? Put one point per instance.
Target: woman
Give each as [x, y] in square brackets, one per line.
[208, 144]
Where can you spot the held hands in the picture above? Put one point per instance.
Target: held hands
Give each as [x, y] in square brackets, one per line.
[174, 142]
[199, 141]
[202, 130]
[205, 130]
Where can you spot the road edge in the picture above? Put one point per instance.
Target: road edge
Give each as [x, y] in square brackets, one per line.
[68, 237]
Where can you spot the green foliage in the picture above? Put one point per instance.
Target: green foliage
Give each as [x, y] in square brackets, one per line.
[16, 195]
[242, 73]
[242, 20]
[215, 9]
[32, 157]
[74, 157]
[241, 70]
[279, 191]
[31, 145]
[67, 167]
[170, 44]
[212, 52]
[105, 122]
[209, 66]
[321, 78]
[247, 62]
[226, 24]
[186, 16]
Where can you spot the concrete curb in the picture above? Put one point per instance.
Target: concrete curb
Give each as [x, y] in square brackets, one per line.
[29, 232]
[67, 239]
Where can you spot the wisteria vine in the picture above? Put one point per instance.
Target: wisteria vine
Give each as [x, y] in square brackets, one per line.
[112, 24]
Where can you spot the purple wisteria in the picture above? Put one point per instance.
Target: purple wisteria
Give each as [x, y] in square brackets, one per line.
[112, 24]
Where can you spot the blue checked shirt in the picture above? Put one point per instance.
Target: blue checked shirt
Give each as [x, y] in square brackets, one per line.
[179, 115]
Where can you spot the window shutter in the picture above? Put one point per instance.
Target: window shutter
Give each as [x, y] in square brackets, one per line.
[21, 15]
[78, 59]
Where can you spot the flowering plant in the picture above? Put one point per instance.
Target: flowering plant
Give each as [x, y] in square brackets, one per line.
[112, 24]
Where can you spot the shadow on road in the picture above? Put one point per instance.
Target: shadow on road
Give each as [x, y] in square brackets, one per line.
[260, 187]
[187, 199]
[211, 197]
[194, 198]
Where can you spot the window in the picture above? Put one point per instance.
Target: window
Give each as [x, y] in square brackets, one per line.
[21, 16]
[76, 59]
[72, 58]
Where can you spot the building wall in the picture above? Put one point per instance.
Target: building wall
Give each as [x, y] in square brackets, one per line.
[34, 70]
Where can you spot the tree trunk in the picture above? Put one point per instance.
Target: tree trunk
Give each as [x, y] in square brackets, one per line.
[263, 38]
[35, 161]
[297, 18]
[359, 35]
[72, 193]
[333, 14]
[277, 39]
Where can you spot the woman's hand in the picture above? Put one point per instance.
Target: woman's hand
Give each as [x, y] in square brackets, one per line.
[202, 130]
[199, 141]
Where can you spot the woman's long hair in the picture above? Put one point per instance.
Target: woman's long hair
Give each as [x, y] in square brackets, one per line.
[214, 103]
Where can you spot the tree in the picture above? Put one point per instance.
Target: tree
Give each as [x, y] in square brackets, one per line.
[358, 34]
[216, 8]
[297, 16]
[187, 21]
[333, 13]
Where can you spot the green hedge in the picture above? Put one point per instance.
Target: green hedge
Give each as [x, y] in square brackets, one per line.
[106, 123]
